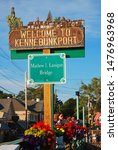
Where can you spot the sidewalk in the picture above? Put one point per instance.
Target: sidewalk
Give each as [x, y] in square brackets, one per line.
[12, 145]
[9, 147]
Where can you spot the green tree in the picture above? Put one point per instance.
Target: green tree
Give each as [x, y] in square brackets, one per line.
[91, 93]
[69, 107]
[5, 95]
[32, 93]
[90, 98]
[58, 106]
[21, 95]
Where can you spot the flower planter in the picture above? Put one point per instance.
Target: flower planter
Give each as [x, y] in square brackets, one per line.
[41, 137]
[59, 142]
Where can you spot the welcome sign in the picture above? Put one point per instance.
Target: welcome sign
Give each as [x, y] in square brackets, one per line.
[25, 38]
[60, 35]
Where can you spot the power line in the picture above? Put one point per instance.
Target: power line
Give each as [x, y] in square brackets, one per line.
[5, 56]
[7, 90]
[12, 81]
[79, 79]
[69, 88]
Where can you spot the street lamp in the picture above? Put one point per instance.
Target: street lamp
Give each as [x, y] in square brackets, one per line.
[77, 103]
[26, 117]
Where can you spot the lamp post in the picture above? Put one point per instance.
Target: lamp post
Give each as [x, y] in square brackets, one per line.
[83, 117]
[26, 117]
[77, 103]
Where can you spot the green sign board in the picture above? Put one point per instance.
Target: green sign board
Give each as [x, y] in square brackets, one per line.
[70, 53]
[47, 68]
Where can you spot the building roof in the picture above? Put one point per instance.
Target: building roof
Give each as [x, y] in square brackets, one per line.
[7, 102]
[18, 105]
[35, 106]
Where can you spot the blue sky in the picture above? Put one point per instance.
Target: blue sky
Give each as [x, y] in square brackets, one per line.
[78, 69]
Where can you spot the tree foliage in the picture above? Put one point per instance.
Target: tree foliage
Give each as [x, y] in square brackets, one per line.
[88, 93]
[68, 108]
[92, 93]
[32, 93]
[5, 95]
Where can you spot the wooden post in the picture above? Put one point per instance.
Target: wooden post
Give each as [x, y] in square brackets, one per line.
[48, 110]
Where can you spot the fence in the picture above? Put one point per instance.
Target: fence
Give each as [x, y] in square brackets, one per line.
[88, 146]
[92, 141]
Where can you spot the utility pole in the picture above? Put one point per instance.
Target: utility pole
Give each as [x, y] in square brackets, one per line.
[26, 118]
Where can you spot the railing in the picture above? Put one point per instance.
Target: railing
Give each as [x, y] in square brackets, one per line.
[94, 137]
[92, 141]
